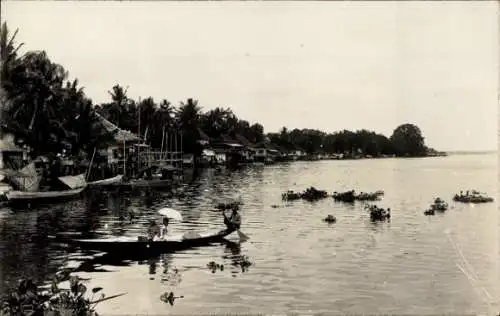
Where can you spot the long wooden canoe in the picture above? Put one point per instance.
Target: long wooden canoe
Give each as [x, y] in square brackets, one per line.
[143, 183]
[133, 247]
[22, 197]
[107, 181]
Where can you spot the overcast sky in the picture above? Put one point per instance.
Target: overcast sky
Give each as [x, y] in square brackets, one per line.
[323, 65]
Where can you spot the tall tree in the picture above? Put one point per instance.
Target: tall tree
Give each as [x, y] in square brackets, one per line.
[407, 140]
[188, 116]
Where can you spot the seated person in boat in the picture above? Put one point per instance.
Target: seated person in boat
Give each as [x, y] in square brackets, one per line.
[153, 231]
[163, 229]
[234, 221]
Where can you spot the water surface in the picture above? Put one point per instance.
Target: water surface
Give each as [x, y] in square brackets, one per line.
[300, 264]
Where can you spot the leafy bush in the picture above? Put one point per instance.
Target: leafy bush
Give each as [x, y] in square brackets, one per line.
[28, 299]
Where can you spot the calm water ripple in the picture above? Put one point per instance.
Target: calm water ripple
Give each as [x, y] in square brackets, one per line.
[299, 263]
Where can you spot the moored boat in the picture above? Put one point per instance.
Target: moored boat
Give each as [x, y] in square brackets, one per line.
[40, 197]
[106, 182]
[143, 183]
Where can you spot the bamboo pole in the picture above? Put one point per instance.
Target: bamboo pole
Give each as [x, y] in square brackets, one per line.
[90, 166]
[162, 140]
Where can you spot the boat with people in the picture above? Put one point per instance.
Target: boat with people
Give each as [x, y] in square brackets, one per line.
[150, 177]
[142, 245]
[157, 241]
[472, 196]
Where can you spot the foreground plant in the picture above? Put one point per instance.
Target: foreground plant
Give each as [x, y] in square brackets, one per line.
[28, 299]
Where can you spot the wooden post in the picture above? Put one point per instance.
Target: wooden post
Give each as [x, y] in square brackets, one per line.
[167, 145]
[175, 147]
[139, 123]
[124, 160]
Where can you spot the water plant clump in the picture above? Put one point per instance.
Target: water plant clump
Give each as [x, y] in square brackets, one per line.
[438, 206]
[347, 196]
[472, 196]
[291, 196]
[350, 196]
[370, 196]
[378, 213]
[215, 266]
[29, 299]
[330, 219]
[169, 297]
[311, 194]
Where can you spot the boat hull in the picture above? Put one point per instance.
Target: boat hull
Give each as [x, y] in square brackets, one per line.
[132, 184]
[21, 198]
[106, 182]
[134, 248]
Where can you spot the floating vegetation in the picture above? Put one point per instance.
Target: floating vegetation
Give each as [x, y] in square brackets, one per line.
[169, 297]
[28, 299]
[429, 212]
[438, 206]
[351, 196]
[311, 194]
[472, 197]
[215, 266]
[244, 262]
[348, 196]
[378, 213]
[373, 196]
[291, 196]
[330, 219]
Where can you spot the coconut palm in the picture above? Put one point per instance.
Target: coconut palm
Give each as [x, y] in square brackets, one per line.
[188, 118]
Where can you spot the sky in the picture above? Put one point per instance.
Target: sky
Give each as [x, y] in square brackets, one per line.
[322, 65]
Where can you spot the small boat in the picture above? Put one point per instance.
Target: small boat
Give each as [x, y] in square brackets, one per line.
[40, 197]
[144, 183]
[108, 181]
[141, 246]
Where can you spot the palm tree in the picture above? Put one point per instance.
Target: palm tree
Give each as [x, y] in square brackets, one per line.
[188, 118]
[8, 52]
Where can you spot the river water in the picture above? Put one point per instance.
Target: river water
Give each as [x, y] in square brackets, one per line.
[411, 265]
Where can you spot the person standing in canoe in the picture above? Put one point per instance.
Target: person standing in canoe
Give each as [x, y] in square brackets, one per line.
[234, 221]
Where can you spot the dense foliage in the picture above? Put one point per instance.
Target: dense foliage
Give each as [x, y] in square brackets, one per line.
[49, 113]
[28, 299]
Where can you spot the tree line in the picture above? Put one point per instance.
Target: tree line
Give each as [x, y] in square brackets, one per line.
[48, 112]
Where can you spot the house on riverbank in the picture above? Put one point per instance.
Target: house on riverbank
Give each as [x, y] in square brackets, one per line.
[115, 150]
